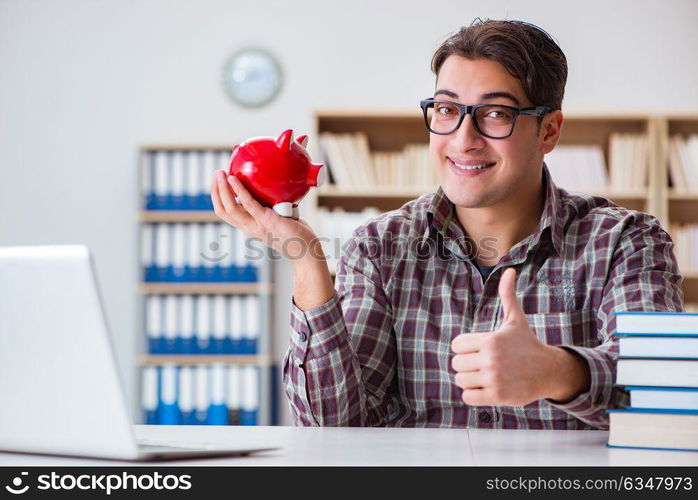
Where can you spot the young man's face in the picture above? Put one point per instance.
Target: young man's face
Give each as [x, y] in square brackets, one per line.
[517, 159]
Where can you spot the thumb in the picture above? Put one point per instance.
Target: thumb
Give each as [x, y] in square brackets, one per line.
[511, 309]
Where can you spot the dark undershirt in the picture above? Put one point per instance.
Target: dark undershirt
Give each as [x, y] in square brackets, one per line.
[484, 270]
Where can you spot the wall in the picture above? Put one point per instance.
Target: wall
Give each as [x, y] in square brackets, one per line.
[84, 83]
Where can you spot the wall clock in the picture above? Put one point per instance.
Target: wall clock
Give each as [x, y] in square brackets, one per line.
[252, 77]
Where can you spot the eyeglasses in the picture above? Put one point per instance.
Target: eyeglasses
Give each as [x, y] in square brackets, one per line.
[495, 121]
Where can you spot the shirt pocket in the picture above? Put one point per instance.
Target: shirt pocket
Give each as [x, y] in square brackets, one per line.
[565, 328]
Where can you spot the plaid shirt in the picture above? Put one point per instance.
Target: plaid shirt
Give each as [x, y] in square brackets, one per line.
[378, 353]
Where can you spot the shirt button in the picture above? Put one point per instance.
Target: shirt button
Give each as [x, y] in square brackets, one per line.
[485, 417]
[303, 336]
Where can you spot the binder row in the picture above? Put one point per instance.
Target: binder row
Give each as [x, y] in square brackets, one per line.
[199, 252]
[203, 324]
[201, 395]
[180, 180]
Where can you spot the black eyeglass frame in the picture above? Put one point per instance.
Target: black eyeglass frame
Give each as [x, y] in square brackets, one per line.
[537, 111]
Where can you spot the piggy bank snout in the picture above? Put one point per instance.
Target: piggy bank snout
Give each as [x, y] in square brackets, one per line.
[321, 178]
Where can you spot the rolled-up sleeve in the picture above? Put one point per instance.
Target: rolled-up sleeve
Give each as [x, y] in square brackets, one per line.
[643, 276]
[341, 356]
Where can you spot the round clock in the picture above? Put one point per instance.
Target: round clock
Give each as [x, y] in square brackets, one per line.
[252, 77]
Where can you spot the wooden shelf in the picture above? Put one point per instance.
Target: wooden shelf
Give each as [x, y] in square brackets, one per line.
[186, 147]
[691, 274]
[373, 192]
[690, 289]
[178, 216]
[205, 288]
[204, 359]
[386, 198]
[683, 208]
[683, 196]
[354, 200]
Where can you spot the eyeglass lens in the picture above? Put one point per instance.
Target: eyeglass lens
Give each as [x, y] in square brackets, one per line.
[492, 120]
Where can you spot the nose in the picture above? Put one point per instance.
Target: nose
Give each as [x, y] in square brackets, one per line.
[467, 136]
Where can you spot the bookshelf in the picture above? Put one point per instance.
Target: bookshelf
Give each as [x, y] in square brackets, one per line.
[392, 130]
[206, 340]
[681, 206]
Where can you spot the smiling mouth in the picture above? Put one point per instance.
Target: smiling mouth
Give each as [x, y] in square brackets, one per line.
[467, 168]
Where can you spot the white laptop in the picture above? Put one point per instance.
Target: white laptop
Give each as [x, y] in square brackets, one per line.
[60, 391]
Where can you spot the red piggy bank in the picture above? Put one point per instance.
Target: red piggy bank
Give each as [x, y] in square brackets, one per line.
[278, 172]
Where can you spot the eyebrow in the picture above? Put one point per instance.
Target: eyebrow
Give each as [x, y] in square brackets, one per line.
[483, 97]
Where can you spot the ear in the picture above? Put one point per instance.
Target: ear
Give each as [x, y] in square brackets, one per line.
[550, 131]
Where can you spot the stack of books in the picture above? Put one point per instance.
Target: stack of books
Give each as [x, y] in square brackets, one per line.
[658, 365]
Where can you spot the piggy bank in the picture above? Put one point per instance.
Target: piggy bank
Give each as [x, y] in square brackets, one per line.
[278, 172]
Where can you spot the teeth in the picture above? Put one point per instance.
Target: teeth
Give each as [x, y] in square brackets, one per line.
[470, 167]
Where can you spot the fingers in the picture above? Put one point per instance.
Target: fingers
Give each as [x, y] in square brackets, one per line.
[468, 342]
[226, 196]
[224, 204]
[477, 397]
[469, 380]
[466, 362]
[252, 206]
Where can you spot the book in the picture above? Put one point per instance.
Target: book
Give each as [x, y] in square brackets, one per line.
[658, 372]
[657, 429]
[673, 398]
[644, 346]
[149, 394]
[656, 323]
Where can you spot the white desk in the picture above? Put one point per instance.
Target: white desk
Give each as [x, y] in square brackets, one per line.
[389, 446]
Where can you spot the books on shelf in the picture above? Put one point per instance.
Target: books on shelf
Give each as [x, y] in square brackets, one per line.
[203, 324]
[199, 252]
[685, 237]
[180, 179]
[683, 163]
[200, 395]
[578, 168]
[334, 228]
[583, 167]
[352, 165]
[658, 365]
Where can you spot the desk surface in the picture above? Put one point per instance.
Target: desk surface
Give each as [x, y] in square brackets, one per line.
[391, 446]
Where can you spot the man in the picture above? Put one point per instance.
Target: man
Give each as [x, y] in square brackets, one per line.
[488, 303]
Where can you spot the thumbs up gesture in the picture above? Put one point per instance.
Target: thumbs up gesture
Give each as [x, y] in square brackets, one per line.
[510, 366]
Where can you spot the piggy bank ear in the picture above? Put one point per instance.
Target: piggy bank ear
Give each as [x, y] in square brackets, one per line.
[302, 140]
[283, 142]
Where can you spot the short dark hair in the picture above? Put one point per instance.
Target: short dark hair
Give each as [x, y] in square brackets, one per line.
[526, 51]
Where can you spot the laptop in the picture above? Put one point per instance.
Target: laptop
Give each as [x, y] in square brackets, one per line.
[60, 391]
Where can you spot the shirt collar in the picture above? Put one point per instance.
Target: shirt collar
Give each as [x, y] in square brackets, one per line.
[441, 212]
[552, 216]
